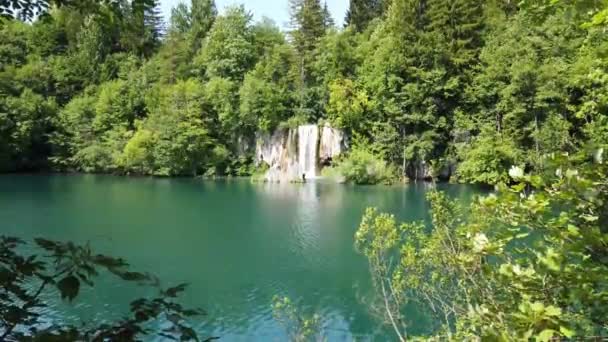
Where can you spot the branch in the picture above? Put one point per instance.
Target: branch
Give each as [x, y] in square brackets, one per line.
[390, 315]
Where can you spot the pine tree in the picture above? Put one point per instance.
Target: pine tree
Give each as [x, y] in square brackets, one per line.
[144, 27]
[308, 22]
[361, 12]
[154, 27]
[181, 19]
[328, 20]
[459, 23]
[203, 14]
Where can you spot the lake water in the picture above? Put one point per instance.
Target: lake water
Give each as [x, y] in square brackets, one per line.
[237, 244]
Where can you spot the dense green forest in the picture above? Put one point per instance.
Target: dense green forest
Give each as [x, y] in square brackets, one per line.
[504, 92]
[476, 86]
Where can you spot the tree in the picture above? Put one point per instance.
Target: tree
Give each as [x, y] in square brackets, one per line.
[328, 20]
[143, 27]
[300, 327]
[27, 10]
[181, 19]
[423, 81]
[154, 28]
[308, 23]
[507, 268]
[361, 12]
[202, 16]
[175, 139]
[24, 122]
[460, 24]
[266, 94]
[487, 159]
[228, 50]
[64, 270]
[267, 35]
[23, 9]
[518, 96]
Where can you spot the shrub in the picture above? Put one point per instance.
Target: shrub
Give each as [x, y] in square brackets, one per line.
[361, 166]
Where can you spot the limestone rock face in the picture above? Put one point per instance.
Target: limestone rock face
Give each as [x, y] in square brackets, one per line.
[332, 144]
[423, 170]
[278, 151]
[244, 146]
[298, 154]
[420, 171]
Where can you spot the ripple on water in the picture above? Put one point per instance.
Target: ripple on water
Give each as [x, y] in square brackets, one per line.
[237, 244]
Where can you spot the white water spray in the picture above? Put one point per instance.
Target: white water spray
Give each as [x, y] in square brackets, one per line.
[308, 136]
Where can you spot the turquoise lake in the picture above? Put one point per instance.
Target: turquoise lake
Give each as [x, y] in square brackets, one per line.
[236, 243]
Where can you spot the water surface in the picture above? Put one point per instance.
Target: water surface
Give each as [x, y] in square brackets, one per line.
[237, 244]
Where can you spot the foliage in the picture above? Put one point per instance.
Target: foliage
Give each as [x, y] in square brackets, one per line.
[501, 89]
[487, 159]
[482, 85]
[63, 269]
[228, 50]
[347, 105]
[300, 327]
[23, 125]
[174, 139]
[361, 166]
[526, 262]
[361, 12]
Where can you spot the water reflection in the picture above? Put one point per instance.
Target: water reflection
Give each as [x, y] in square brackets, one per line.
[238, 244]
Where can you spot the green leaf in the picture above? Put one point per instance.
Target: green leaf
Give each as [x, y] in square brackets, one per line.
[69, 287]
[537, 307]
[545, 335]
[589, 218]
[566, 332]
[573, 230]
[552, 311]
[106, 261]
[174, 291]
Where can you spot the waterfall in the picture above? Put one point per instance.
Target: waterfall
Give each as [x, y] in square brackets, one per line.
[308, 136]
[293, 153]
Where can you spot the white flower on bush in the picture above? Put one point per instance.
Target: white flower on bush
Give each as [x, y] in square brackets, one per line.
[516, 172]
[480, 241]
[598, 155]
[570, 173]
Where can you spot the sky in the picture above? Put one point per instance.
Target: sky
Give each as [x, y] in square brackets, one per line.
[276, 10]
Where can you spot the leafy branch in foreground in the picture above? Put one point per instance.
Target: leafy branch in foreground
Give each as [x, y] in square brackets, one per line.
[24, 279]
[300, 327]
[528, 262]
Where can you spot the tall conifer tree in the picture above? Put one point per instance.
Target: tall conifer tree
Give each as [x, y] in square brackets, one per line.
[308, 25]
[459, 23]
[361, 12]
[203, 14]
[328, 21]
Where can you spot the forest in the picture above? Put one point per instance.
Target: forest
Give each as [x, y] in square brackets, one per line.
[475, 87]
[500, 92]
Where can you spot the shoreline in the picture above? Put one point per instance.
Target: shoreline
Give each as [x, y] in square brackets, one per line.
[250, 179]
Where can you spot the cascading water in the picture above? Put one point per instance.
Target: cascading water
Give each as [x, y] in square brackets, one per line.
[291, 154]
[308, 136]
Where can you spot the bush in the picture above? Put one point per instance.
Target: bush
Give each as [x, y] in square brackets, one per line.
[361, 167]
[487, 159]
[516, 265]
